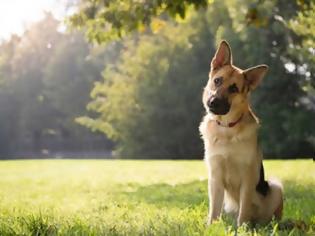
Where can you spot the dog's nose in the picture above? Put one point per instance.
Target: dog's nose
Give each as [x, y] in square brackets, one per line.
[218, 106]
[213, 102]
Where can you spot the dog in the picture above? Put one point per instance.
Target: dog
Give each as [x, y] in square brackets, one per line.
[232, 154]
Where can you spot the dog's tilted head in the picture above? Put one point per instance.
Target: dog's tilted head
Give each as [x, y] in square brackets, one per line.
[227, 89]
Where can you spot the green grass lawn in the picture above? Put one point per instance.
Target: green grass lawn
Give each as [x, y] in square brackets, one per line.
[97, 197]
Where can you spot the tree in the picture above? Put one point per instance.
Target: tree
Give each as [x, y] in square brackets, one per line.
[150, 105]
[148, 98]
[304, 52]
[279, 101]
[46, 79]
[110, 19]
[23, 84]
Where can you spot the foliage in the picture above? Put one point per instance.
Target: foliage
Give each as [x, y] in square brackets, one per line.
[111, 19]
[303, 25]
[46, 79]
[135, 198]
[141, 102]
[283, 130]
[149, 102]
[304, 53]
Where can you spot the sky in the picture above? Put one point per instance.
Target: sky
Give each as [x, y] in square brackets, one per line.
[16, 15]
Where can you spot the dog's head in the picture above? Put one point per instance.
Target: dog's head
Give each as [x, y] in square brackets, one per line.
[227, 89]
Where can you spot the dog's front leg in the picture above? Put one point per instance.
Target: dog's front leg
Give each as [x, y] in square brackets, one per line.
[246, 195]
[245, 204]
[216, 195]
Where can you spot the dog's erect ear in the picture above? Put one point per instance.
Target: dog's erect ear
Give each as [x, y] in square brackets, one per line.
[222, 57]
[254, 75]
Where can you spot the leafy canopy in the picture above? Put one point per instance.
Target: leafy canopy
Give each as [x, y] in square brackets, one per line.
[111, 19]
[149, 101]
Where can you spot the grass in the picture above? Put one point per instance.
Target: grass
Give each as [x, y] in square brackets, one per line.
[97, 197]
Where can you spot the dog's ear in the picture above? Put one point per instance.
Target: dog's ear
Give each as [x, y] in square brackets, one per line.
[222, 57]
[254, 75]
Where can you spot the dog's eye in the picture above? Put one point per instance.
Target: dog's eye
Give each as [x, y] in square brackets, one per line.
[233, 88]
[218, 81]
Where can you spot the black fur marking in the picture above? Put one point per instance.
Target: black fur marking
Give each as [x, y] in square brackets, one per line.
[233, 88]
[262, 186]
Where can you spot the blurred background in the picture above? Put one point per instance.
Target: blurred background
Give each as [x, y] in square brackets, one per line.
[123, 79]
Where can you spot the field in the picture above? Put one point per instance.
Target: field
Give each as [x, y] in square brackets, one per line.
[98, 197]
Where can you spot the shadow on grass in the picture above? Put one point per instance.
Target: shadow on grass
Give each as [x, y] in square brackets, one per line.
[299, 205]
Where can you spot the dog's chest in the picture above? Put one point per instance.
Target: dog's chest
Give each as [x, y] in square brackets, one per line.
[230, 161]
[229, 156]
[233, 152]
[237, 145]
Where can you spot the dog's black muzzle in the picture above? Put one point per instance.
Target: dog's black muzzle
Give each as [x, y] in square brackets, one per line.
[218, 106]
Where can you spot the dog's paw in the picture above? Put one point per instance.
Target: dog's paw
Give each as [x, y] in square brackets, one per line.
[209, 221]
[212, 220]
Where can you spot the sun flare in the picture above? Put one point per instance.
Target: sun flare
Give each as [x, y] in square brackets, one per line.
[16, 15]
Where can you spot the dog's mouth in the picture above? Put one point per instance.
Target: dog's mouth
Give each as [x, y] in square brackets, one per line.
[219, 106]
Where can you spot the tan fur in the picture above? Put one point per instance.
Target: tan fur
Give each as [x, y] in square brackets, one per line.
[232, 154]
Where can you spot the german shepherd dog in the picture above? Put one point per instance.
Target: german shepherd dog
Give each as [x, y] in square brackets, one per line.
[233, 157]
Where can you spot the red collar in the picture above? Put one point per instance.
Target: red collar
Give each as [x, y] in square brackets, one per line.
[232, 124]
